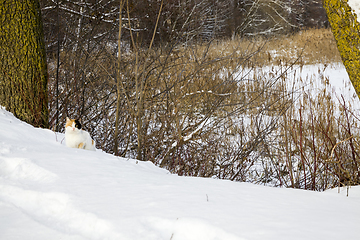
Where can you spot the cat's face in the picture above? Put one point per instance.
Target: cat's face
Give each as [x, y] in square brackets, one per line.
[72, 125]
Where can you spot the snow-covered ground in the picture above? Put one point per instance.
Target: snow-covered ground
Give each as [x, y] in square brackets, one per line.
[313, 79]
[49, 191]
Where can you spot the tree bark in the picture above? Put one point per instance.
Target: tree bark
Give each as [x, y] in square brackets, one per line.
[23, 69]
[346, 31]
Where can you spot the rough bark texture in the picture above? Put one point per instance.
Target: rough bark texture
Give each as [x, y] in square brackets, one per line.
[23, 71]
[346, 31]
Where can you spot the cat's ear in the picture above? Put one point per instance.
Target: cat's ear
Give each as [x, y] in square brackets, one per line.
[67, 119]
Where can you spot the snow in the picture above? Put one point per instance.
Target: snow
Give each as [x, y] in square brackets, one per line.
[315, 76]
[355, 6]
[313, 79]
[49, 191]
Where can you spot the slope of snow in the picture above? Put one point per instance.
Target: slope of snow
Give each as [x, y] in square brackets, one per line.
[49, 191]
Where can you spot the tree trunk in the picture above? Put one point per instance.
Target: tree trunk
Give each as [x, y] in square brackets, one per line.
[346, 31]
[23, 70]
[118, 83]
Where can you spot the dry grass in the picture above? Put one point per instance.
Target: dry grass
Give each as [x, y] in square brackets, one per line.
[307, 47]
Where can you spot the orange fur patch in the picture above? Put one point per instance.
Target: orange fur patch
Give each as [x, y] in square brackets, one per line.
[81, 145]
[69, 123]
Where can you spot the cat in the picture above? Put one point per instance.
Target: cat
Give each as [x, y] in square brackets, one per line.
[75, 137]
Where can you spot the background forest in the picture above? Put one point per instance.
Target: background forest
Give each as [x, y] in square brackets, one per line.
[204, 87]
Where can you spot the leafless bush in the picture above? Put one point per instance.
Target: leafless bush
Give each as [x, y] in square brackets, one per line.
[315, 146]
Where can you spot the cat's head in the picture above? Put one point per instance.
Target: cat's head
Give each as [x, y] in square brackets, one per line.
[72, 125]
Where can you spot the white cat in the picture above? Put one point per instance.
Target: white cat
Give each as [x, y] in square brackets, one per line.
[75, 137]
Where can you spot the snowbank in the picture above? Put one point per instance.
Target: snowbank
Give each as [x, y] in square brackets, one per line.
[49, 191]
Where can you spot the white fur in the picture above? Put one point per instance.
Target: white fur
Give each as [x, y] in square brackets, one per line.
[74, 137]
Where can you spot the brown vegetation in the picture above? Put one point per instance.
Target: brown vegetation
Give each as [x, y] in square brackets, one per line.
[309, 46]
[210, 109]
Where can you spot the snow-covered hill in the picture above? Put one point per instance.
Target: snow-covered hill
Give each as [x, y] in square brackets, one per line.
[49, 191]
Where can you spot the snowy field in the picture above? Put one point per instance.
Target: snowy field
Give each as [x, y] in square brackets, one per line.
[313, 79]
[49, 191]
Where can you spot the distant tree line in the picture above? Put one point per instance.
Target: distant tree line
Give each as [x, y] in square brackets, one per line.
[179, 19]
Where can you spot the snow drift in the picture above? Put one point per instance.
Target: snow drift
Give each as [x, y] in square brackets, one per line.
[49, 191]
